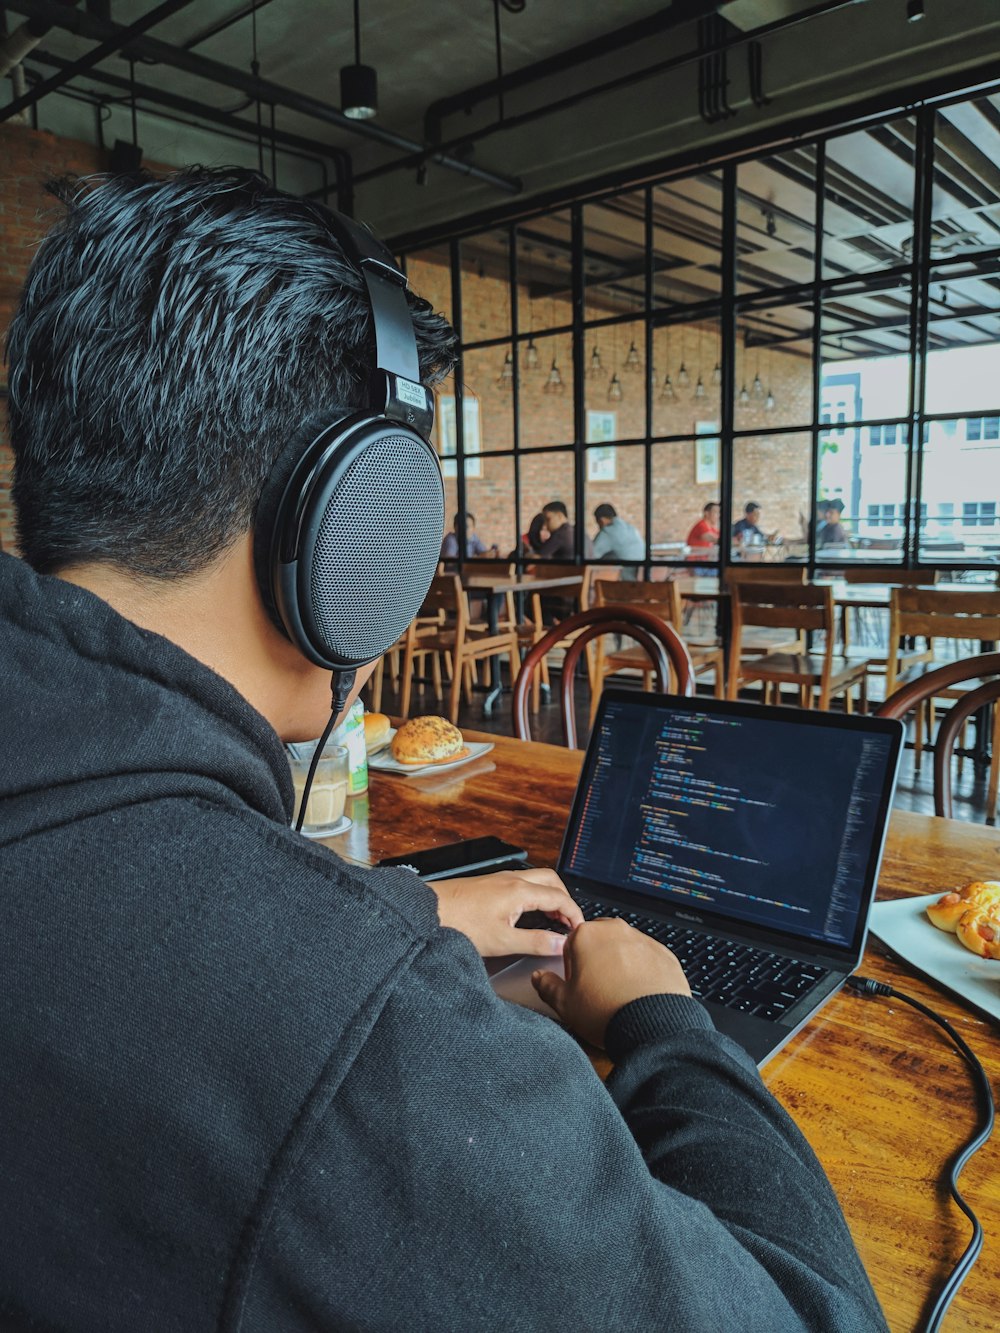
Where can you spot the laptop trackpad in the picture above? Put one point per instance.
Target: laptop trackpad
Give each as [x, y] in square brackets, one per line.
[514, 982]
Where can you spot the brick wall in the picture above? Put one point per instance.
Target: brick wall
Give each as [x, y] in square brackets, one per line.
[771, 469]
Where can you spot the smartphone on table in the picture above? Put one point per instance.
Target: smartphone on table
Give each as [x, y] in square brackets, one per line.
[470, 857]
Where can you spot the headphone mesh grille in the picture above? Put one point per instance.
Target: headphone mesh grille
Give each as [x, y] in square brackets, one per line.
[378, 547]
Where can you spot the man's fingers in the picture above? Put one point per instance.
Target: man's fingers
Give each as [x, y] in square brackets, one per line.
[552, 898]
[545, 943]
[550, 988]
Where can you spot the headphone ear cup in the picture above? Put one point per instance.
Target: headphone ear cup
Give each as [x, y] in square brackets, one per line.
[266, 538]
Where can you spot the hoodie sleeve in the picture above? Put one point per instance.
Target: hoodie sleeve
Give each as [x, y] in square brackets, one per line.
[472, 1172]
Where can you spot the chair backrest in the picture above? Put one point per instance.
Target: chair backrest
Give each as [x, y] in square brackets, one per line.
[892, 576]
[803, 606]
[478, 564]
[665, 647]
[768, 573]
[553, 569]
[444, 595]
[915, 692]
[939, 613]
[664, 599]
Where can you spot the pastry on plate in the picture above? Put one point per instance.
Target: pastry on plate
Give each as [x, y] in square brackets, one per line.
[947, 911]
[428, 740]
[979, 930]
[377, 729]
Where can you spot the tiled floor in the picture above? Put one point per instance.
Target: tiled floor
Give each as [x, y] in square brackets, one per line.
[915, 791]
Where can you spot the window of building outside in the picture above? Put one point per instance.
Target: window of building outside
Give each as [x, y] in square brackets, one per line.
[818, 353]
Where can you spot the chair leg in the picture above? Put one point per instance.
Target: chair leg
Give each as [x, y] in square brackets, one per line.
[436, 675]
[455, 692]
[848, 700]
[404, 703]
[378, 676]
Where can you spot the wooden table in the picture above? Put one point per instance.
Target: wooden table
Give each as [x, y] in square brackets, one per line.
[495, 587]
[875, 1088]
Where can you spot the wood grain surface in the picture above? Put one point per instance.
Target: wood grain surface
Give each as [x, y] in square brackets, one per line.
[875, 1087]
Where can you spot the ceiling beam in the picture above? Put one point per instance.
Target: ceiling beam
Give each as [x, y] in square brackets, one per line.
[89, 25]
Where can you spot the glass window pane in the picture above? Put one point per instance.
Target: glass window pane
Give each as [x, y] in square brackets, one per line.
[687, 239]
[866, 360]
[545, 477]
[860, 506]
[868, 206]
[546, 394]
[615, 476]
[687, 378]
[486, 294]
[544, 273]
[489, 494]
[488, 378]
[770, 473]
[615, 388]
[776, 220]
[429, 275]
[960, 502]
[684, 478]
[773, 383]
[963, 341]
[614, 257]
[966, 199]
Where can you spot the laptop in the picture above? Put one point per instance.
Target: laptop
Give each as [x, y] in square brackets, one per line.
[747, 838]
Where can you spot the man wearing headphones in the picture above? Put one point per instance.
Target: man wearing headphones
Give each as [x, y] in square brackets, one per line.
[249, 1087]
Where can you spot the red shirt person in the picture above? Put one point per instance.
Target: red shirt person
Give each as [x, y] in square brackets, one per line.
[705, 532]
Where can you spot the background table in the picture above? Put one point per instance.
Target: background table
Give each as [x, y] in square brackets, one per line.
[875, 1088]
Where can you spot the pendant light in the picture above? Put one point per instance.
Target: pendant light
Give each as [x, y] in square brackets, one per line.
[595, 361]
[615, 389]
[505, 379]
[683, 378]
[757, 388]
[531, 357]
[699, 388]
[633, 363]
[667, 392]
[554, 382]
[358, 83]
[531, 354]
[744, 395]
[769, 401]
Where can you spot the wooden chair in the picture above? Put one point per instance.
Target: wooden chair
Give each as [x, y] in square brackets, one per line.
[942, 682]
[578, 596]
[768, 640]
[459, 642]
[806, 607]
[664, 600]
[971, 614]
[666, 648]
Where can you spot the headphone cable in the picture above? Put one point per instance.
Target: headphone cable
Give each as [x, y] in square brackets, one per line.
[869, 987]
[340, 687]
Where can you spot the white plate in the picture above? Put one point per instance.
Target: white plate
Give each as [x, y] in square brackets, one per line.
[341, 826]
[383, 761]
[905, 927]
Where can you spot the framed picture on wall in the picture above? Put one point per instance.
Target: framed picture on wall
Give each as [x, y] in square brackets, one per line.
[601, 462]
[706, 453]
[448, 435]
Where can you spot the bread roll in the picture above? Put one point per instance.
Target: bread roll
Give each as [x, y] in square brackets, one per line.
[947, 911]
[377, 730]
[979, 930]
[427, 740]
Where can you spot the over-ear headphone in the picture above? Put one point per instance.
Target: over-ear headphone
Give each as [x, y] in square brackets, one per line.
[349, 526]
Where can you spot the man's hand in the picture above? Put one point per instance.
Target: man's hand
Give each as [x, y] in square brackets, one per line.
[608, 964]
[487, 908]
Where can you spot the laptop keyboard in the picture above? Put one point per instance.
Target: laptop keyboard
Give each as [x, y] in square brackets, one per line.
[744, 978]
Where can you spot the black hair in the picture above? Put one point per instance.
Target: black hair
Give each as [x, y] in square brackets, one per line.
[457, 520]
[712, 504]
[555, 507]
[833, 504]
[535, 531]
[171, 337]
[603, 511]
[750, 506]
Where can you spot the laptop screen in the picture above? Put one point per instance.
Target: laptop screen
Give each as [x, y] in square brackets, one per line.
[769, 816]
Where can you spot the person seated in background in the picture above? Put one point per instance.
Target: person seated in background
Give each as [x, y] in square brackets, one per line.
[253, 1085]
[831, 531]
[617, 540]
[558, 536]
[747, 533]
[705, 533]
[530, 541]
[474, 545]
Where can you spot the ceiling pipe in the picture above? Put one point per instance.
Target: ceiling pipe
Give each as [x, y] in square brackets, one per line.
[13, 48]
[611, 85]
[341, 159]
[93, 57]
[681, 11]
[88, 25]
